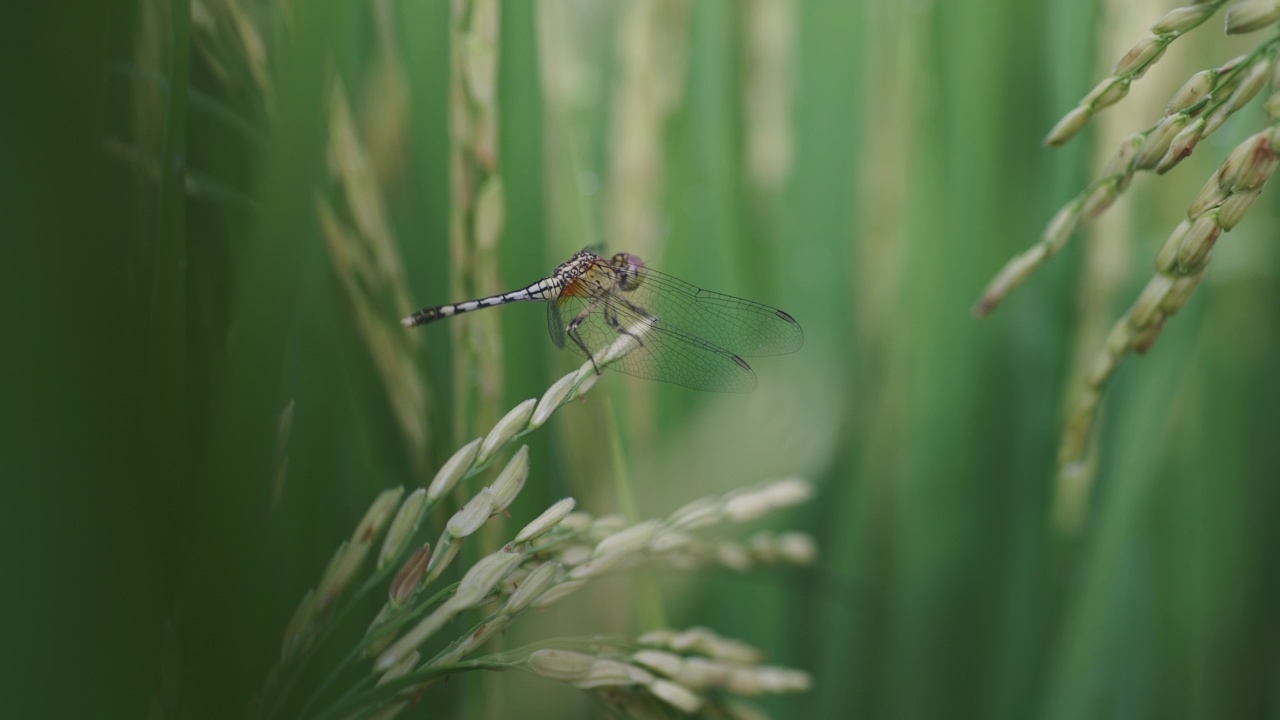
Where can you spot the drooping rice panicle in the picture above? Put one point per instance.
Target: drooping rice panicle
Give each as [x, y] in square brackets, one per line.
[1194, 112]
[1132, 66]
[1180, 267]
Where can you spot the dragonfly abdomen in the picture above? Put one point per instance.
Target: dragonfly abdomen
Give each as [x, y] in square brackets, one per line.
[542, 290]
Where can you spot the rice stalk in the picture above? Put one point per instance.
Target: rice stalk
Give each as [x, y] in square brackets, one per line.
[771, 44]
[478, 207]
[366, 257]
[650, 86]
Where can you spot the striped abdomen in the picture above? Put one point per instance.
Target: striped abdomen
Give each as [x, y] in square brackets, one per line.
[541, 290]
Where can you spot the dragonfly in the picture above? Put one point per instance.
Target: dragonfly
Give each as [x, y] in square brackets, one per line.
[668, 330]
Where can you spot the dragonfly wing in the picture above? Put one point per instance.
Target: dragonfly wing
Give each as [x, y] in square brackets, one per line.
[555, 324]
[742, 327]
[656, 351]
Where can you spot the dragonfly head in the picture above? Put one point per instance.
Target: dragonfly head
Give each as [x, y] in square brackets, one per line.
[628, 269]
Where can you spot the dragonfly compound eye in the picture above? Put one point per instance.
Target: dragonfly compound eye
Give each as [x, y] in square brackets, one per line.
[629, 270]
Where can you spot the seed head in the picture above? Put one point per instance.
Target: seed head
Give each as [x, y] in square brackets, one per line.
[537, 583]
[551, 517]
[1070, 124]
[471, 516]
[453, 470]
[511, 480]
[409, 576]
[676, 695]
[1183, 19]
[1156, 145]
[403, 526]
[1249, 15]
[1232, 210]
[504, 430]
[1182, 145]
[1198, 242]
[1106, 93]
[1167, 258]
[1141, 56]
[560, 664]
[483, 576]
[552, 399]
[1195, 89]
[605, 673]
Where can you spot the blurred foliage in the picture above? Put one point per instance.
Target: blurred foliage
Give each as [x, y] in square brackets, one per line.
[193, 250]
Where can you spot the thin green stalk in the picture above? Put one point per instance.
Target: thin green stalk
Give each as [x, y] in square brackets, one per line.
[168, 281]
[357, 652]
[199, 101]
[357, 703]
[476, 222]
[649, 611]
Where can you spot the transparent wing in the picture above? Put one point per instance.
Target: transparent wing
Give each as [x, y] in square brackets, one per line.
[555, 324]
[739, 326]
[658, 351]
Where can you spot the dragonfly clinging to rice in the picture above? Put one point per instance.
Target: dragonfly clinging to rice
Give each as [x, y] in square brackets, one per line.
[682, 334]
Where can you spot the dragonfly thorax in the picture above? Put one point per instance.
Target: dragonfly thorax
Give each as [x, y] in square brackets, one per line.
[589, 274]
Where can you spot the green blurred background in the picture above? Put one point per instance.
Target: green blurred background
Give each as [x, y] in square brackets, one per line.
[200, 231]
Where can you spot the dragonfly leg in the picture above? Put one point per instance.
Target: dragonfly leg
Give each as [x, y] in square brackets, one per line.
[572, 331]
[611, 317]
